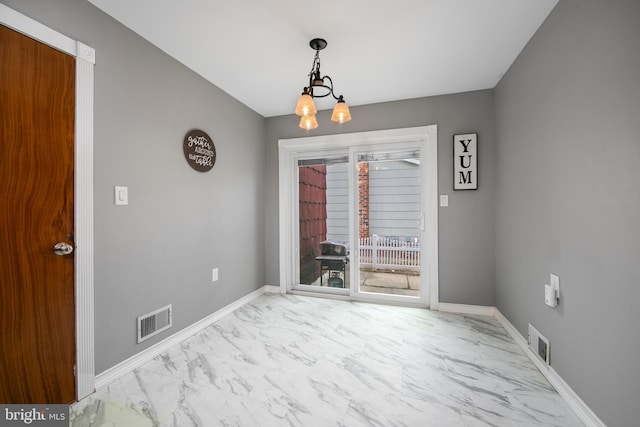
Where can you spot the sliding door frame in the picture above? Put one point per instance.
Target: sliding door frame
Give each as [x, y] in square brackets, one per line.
[290, 150]
[295, 200]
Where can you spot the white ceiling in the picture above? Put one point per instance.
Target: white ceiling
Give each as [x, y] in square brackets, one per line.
[258, 50]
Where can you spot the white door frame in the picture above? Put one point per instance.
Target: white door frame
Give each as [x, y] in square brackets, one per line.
[83, 186]
[289, 150]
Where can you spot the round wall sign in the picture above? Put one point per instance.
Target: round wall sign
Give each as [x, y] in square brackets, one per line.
[199, 150]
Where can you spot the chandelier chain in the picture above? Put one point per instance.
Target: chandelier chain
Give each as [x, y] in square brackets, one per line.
[316, 64]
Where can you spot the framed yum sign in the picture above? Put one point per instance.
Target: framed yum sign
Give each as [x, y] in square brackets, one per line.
[465, 161]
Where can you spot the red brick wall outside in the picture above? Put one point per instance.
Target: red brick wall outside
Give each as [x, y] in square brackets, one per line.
[363, 199]
[312, 185]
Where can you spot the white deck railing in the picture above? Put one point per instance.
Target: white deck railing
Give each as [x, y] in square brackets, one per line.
[384, 253]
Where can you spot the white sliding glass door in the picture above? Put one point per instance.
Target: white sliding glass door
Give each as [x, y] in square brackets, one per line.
[358, 215]
[389, 225]
[322, 221]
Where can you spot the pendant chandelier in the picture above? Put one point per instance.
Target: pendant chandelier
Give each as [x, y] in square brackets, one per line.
[317, 88]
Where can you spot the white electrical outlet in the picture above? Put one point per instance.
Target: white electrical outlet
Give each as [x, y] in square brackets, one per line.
[554, 282]
[214, 275]
[552, 291]
[550, 296]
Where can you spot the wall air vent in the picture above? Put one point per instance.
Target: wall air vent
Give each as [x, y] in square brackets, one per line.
[539, 345]
[155, 322]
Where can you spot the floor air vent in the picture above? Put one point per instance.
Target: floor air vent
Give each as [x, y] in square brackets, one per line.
[539, 344]
[153, 323]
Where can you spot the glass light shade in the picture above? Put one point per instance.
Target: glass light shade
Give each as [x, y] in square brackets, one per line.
[308, 122]
[305, 106]
[341, 112]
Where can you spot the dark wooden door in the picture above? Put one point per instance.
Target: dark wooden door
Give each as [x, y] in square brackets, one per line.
[37, 309]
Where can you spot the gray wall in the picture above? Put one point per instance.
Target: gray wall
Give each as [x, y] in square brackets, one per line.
[568, 198]
[179, 223]
[466, 227]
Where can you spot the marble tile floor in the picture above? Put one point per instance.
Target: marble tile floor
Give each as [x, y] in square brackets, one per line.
[286, 360]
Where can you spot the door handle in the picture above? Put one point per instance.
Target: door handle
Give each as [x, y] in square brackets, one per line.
[62, 248]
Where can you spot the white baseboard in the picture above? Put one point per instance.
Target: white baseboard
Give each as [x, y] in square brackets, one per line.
[272, 289]
[480, 310]
[107, 377]
[586, 415]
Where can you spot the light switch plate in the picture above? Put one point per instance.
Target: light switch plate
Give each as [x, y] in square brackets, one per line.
[121, 195]
[444, 200]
